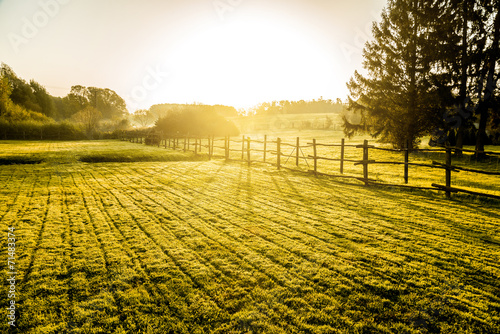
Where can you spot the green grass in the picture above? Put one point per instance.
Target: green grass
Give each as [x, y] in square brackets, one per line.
[58, 152]
[394, 174]
[215, 247]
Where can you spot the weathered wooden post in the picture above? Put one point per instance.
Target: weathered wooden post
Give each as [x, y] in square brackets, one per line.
[342, 153]
[228, 147]
[407, 153]
[365, 161]
[278, 149]
[314, 157]
[297, 148]
[448, 172]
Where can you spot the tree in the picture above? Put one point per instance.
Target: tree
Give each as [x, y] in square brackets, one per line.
[396, 100]
[108, 102]
[89, 117]
[489, 77]
[5, 91]
[195, 122]
[43, 99]
[143, 117]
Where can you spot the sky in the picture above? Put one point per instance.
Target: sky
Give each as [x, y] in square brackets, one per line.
[231, 52]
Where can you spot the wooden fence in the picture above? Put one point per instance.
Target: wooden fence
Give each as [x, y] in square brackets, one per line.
[228, 148]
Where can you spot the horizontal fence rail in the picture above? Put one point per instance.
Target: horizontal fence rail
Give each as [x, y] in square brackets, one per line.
[273, 152]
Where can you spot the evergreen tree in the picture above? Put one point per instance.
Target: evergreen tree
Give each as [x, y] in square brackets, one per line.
[487, 106]
[396, 99]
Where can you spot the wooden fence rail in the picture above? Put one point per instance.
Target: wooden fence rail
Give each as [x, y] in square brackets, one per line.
[248, 151]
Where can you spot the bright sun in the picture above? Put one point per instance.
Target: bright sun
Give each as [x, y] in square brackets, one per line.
[243, 63]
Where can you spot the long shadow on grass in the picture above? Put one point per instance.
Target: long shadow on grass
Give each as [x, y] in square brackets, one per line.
[477, 275]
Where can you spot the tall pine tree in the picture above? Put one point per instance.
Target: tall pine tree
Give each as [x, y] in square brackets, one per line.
[396, 99]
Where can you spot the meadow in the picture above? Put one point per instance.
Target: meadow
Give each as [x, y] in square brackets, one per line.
[115, 237]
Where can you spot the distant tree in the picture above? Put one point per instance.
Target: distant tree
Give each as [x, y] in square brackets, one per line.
[10, 111]
[78, 98]
[108, 102]
[89, 117]
[43, 99]
[5, 91]
[195, 122]
[143, 117]
[22, 93]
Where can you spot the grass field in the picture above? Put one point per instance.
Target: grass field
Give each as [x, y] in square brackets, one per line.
[173, 245]
[393, 174]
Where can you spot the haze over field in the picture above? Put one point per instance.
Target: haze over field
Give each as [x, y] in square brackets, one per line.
[237, 53]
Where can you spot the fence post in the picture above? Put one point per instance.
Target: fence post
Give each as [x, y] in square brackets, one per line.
[185, 142]
[365, 161]
[278, 149]
[342, 153]
[189, 143]
[265, 147]
[248, 151]
[407, 150]
[448, 172]
[297, 153]
[228, 147]
[314, 157]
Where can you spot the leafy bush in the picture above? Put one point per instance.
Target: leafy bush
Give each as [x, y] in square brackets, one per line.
[35, 130]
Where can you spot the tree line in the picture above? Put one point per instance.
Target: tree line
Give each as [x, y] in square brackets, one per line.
[432, 69]
[26, 108]
[147, 117]
[319, 106]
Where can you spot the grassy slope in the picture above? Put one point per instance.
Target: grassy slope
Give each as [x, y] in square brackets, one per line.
[213, 247]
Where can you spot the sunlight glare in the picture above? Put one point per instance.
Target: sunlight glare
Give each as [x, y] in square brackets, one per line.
[244, 63]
